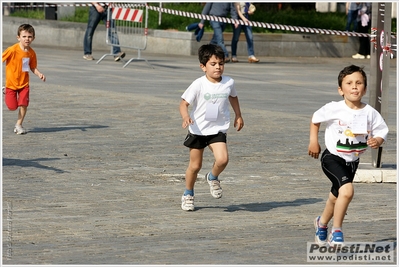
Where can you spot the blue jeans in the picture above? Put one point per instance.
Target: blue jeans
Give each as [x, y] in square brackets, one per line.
[351, 19]
[248, 36]
[94, 19]
[218, 29]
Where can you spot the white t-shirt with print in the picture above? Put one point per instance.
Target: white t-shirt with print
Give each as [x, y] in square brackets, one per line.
[347, 129]
[210, 105]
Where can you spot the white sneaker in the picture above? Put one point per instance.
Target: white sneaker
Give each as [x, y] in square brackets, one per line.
[187, 202]
[19, 129]
[88, 57]
[358, 56]
[216, 190]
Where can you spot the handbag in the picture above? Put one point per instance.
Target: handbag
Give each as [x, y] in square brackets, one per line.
[244, 9]
[252, 8]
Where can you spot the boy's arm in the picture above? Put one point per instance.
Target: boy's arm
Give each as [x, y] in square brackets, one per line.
[375, 142]
[314, 146]
[39, 74]
[238, 120]
[184, 113]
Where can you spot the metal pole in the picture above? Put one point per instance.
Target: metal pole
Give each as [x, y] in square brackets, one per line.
[379, 65]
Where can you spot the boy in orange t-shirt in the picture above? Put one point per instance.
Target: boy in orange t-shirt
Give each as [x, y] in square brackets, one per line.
[20, 58]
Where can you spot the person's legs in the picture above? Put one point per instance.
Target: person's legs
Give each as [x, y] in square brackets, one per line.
[354, 20]
[250, 40]
[351, 19]
[21, 114]
[348, 21]
[94, 19]
[234, 41]
[11, 99]
[345, 196]
[219, 150]
[194, 167]
[218, 28]
[364, 42]
[221, 156]
[23, 103]
[112, 32]
[341, 174]
[328, 211]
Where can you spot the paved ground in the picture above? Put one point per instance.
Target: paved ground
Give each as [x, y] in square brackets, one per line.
[99, 176]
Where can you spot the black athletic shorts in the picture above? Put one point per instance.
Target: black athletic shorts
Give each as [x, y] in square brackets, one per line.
[338, 170]
[202, 141]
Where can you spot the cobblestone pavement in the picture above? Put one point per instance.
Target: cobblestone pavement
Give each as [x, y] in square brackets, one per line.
[99, 175]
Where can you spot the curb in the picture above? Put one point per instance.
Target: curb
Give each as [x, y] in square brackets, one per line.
[368, 174]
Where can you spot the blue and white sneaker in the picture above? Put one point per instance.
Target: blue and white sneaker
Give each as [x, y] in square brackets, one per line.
[321, 232]
[336, 238]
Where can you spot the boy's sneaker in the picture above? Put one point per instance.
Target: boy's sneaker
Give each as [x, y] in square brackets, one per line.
[335, 238]
[216, 190]
[88, 57]
[19, 129]
[187, 202]
[321, 232]
[120, 56]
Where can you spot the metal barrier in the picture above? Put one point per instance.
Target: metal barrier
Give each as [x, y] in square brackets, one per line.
[127, 27]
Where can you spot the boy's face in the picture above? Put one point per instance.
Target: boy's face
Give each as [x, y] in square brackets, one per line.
[25, 39]
[353, 87]
[213, 69]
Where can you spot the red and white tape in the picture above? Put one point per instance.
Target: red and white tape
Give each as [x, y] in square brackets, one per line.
[220, 19]
[127, 14]
[257, 24]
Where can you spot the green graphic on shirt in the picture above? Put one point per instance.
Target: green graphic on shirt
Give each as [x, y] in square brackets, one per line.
[209, 96]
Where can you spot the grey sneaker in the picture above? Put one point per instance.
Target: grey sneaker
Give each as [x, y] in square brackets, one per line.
[88, 57]
[19, 129]
[216, 190]
[187, 202]
[120, 56]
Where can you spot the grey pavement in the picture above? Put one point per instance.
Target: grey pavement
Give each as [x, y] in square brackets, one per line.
[99, 175]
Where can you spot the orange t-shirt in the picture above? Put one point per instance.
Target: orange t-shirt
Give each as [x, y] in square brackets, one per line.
[18, 65]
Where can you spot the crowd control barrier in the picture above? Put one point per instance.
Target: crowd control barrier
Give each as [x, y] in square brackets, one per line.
[127, 27]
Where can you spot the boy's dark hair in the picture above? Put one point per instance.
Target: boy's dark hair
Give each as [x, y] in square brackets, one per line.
[205, 52]
[26, 27]
[348, 71]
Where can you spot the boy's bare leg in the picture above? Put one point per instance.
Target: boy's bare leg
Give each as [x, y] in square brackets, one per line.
[21, 114]
[328, 211]
[194, 167]
[220, 153]
[345, 196]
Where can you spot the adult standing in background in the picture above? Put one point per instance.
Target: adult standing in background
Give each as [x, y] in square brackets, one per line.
[352, 9]
[364, 25]
[243, 10]
[217, 9]
[98, 12]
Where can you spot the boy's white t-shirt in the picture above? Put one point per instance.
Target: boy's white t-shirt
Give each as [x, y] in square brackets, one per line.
[348, 129]
[210, 105]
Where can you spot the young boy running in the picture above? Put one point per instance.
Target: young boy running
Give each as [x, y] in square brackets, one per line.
[20, 59]
[209, 120]
[351, 126]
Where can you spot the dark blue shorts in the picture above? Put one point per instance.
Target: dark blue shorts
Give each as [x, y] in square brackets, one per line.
[338, 170]
[202, 141]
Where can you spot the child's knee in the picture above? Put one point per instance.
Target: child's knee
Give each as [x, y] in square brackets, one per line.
[194, 167]
[222, 162]
[346, 191]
